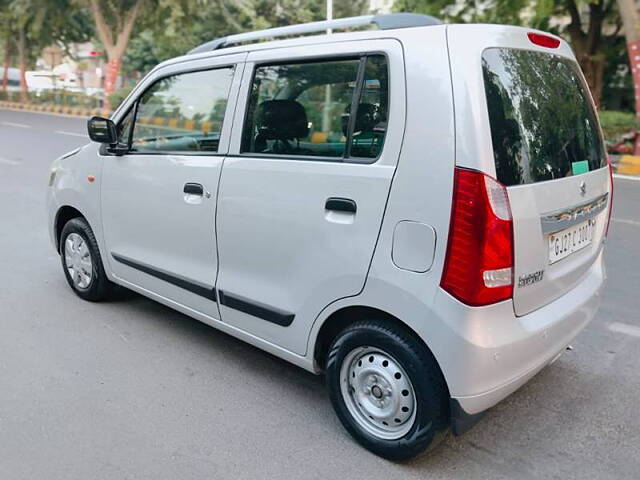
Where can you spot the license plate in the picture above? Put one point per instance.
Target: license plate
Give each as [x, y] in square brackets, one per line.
[570, 240]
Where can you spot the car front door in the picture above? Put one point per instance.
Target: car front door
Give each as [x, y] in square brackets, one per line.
[158, 199]
[303, 191]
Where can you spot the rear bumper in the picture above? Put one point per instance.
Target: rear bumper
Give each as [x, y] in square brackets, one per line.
[506, 360]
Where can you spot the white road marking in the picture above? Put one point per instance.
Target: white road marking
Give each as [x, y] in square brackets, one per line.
[8, 161]
[626, 177]
[625, 328]
[116, 331]
[73, 134]
[628, 222]
[19, 125]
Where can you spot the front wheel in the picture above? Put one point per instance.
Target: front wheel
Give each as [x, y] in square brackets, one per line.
[387, 389]
[81, 261]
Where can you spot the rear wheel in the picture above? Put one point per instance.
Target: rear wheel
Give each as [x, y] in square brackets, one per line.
[387, 390]
[81, 261]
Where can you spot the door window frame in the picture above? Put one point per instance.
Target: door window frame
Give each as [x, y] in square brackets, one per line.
[278, 59]
[234, 62]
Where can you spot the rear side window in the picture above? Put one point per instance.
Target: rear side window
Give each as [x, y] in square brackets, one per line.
[543, 125]
[305, 109]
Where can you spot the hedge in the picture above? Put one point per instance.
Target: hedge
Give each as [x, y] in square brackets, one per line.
[615, 124]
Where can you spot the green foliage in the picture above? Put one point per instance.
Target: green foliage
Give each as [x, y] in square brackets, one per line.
[483, 11]
[600, 43]
[615, 124]
[618, 83]
[117, 97]
[44, 22]
[145, 52]
[175, 27]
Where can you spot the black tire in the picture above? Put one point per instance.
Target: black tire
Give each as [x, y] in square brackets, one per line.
[99, 287]
[431, 421]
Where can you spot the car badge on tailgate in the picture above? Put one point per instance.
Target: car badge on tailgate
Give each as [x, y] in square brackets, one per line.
[530, 278]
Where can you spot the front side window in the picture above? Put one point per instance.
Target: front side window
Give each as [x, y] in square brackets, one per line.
[304, 109]
[182, 113]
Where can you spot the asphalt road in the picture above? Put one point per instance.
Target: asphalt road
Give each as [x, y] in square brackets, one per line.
[130, 389]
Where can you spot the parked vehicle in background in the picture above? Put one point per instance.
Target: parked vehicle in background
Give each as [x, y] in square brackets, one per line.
[94, 91]
[13, 79]
[41, 81]
[325, 199]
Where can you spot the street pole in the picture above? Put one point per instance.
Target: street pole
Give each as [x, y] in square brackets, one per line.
[631, 23]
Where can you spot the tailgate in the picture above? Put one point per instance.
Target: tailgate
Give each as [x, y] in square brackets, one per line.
[524, 115]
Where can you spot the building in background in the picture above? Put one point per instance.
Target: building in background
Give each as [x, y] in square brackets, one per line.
[79, 69]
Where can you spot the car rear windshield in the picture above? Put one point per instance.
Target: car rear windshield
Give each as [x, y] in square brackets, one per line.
[543, 125]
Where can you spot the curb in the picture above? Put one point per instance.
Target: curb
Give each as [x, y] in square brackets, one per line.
[628, 165]
[59, 109]
[625, 165]
[170, 123]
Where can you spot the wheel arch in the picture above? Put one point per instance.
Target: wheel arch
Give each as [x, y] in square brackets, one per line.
[63, 215]
[345, 316]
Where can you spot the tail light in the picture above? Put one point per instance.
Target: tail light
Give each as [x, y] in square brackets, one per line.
[606, 233]
[478, 267]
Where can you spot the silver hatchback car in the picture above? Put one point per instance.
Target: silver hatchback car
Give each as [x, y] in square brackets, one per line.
[417, 211]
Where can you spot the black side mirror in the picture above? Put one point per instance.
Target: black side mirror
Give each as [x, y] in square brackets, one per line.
[102, 130]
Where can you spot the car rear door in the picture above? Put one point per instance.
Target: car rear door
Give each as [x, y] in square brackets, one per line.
[301, 199]
[525, 116]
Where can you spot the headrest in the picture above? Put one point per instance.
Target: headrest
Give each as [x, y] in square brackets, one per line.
[281, 120]
[366, 118]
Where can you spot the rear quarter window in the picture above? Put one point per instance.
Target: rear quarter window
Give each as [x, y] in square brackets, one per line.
[543, 125]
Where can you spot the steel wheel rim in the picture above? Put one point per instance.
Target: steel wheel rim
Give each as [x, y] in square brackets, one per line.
[77, 258]
[378, 393]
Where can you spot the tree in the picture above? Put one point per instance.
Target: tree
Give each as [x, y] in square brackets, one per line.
[17, 18]
[114, 22]
[175, 27]
[617, 92]
[589, 44]
[586, 28]
[6, 43]
[8, 59]
[29, 25]
[631, 24]
[477, 11]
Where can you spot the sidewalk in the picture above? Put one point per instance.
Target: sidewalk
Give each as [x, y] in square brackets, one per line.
[626, 164]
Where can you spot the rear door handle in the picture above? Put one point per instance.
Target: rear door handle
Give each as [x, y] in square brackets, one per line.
[338, 204]
[193, 189]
